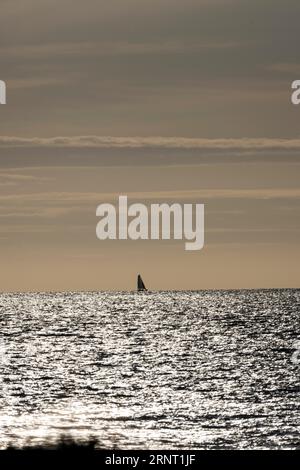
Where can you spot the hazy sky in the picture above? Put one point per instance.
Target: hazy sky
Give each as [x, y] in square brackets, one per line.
[162, 100]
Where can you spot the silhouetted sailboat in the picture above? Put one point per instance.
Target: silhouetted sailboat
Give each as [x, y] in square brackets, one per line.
[140, 284]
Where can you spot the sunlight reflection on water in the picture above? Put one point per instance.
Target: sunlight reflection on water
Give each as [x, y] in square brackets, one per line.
[152, 370]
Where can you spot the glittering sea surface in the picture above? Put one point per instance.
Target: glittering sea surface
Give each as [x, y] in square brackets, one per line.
[176, 370]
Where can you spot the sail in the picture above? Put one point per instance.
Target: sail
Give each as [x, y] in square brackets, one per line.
[140, 283]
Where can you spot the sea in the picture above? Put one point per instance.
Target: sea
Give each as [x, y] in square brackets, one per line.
[151, 370]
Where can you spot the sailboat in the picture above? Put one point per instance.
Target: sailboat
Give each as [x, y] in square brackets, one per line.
[140, 284]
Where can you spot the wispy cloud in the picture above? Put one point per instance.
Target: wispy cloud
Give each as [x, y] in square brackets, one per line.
[201, 194]
[93, 141]
[285, 68]
[22, 83]
[13, 179]
[102, 48]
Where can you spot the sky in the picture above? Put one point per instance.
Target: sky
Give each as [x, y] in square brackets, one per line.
[161, 100]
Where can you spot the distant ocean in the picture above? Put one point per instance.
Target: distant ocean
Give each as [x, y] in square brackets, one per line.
[161, 370]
